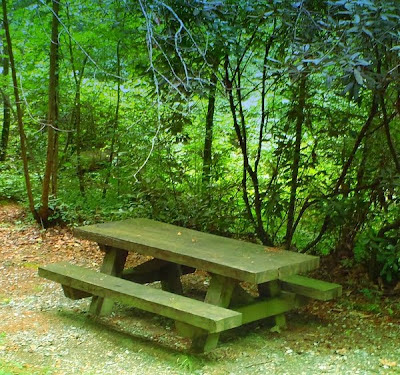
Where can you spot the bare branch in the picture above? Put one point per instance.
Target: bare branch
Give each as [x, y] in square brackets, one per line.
[149, 38]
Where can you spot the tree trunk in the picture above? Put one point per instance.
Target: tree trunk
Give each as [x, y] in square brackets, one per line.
[346, 166]
[116, 122]
[240, 130]
[296, 160]
[54, 173]
[76, 113]
[19, 113]
[5, 132]
[209, 129]
[52, 117]
[77, 123]
[386, 124]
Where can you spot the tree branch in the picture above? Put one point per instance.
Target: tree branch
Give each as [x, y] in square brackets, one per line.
[345, 169]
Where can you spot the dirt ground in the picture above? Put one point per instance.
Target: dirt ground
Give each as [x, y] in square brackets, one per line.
[42, 332]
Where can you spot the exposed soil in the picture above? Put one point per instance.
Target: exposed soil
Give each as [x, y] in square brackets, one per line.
[42, 332]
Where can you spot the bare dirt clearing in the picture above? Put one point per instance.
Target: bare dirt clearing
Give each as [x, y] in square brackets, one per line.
[42, 332]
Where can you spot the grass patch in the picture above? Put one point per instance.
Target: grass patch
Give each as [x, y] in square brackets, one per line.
[9, 368]
[189, 363]
[4, 300]
[30, 265]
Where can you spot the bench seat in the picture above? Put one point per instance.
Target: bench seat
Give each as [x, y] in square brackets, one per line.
[196, 313]
[312, 288]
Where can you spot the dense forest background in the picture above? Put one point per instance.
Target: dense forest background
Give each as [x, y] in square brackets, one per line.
[273, 121]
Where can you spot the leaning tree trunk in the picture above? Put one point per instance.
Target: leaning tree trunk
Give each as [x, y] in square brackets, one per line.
[21, 130]
[346, 166]
[52, 117]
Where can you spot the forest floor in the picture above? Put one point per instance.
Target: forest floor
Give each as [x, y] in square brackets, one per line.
[42, 332]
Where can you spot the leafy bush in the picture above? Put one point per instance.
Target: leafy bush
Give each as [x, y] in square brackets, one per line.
[12, 185]
[381, 254]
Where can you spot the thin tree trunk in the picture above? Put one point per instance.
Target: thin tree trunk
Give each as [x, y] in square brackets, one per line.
[51, 156]
[386, 124]
[207, 153]
[229, 90]
[296, 160]
[241, 134]
[19, 113]
[77, 126]
[116, 121]
[54, 173]
[264, 116]
[76, 113]
[5, 132]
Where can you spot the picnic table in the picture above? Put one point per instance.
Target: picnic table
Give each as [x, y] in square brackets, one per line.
[176, 251]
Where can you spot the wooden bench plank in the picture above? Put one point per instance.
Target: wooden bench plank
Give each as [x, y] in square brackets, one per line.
[199, 314]
[228, 257]
[312, 288]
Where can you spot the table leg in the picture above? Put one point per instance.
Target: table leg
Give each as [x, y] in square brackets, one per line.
[273, 289]
[171, 278]
[219, 293]
[113, 264]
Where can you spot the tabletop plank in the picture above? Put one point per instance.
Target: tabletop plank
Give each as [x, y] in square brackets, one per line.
[240, 260]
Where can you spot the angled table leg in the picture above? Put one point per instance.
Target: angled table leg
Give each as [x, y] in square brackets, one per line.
[158, 270]
[273, 289]
[219, 293]
[113, 264]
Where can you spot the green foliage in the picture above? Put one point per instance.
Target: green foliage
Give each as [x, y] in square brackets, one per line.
[384, 253]
[146, 159]
[11, 183]
[189, 363]
[389, 258]
[370, 294]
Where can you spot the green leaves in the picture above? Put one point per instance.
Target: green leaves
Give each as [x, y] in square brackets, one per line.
[358, 77]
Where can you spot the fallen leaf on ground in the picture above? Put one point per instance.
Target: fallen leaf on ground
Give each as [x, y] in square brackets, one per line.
[360, 314]
[388, 363]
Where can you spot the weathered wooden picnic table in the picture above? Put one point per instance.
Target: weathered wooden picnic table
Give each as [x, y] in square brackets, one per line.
[177, 251]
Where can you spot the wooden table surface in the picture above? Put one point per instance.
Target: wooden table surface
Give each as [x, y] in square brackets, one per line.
[239, 260]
